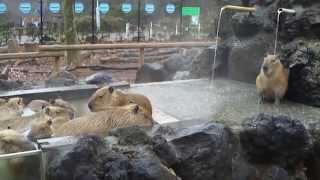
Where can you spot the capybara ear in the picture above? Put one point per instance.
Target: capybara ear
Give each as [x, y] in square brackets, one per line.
[111, 89]
[51, 101]
[136, 109]
[49, 122]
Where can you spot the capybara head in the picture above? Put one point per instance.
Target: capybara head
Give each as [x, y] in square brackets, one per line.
[103, 97]
[40, 130]
[271, 63]
[56, 111]
[16, 103]
[62, 103]
[38, 105]
[140, 114]
[12, 141]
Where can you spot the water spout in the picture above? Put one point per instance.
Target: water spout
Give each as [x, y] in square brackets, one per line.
[238, 8]
[280, 11]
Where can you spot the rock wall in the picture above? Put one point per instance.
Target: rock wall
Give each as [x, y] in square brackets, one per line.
[253, 37]
[266, 147]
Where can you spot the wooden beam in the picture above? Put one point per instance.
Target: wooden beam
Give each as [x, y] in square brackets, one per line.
[123, 46]
[29, 55]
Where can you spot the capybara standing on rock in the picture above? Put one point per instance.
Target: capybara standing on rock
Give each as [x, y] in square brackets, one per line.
[272, 82]
[99, 123]
[107, 96]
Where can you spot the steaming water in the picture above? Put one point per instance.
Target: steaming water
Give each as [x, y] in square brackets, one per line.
[277, 31]
[216, 49]
[226, 101]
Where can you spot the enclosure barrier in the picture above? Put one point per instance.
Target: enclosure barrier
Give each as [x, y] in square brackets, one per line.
[54, 50]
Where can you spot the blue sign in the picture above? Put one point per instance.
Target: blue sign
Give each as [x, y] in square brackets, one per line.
[104, 8]
[126, 7]
[25, 7]
[78, 7]
[3, 8]
[170, 8]
[54, 7]
[149, 8]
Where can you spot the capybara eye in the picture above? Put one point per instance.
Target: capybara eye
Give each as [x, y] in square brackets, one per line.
[136, 109]
[111, 89]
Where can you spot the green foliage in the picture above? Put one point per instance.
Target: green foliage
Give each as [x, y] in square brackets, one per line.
[83, 24]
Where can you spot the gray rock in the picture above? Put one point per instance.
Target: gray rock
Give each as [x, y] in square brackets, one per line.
[275, 139]
[176, 62]
[63, 78]
[125, 136]
[6, 85]
[245, 25]
[304, 81]
[181, 75]
[305, 23]
[154, 72]
[201, 67]
[199, 153]
[99, 78]
[246, 57]
[92, 159]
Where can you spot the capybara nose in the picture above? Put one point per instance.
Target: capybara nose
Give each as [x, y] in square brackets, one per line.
[90, 106]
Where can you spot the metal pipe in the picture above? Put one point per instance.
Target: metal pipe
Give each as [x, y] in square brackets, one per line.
[92, 21]
[41, 21]
[239, 8]
[280, 11]
[20, 154]
[290, 11]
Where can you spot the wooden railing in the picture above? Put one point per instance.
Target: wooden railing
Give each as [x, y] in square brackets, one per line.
[57, 51]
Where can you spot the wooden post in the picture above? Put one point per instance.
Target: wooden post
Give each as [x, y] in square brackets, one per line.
[141, 60]
[56, 68]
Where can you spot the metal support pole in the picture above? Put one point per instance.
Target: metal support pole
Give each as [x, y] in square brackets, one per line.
[92, 21]
[139, 19]
[181, 6]
[41, 21]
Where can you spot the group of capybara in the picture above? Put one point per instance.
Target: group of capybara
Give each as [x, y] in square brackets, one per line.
[110, 109]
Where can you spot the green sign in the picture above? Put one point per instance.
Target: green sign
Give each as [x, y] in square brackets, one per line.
[190, 11]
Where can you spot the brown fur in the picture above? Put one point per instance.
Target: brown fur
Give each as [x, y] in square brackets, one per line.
[40, 130]
[99, 123]
[12, 141]
[57, 111]
[107, 96]
[272, 82]
[11, 109]
[38, 105]
[64, 104]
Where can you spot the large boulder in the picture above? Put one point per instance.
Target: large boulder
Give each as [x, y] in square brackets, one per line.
[201, 152]
[246, 57]
[303, 58]
[151, 72]
[6, 85]
[305, 23]
[62, 78]
[202, 65]
[99, 78]
[275, 139]
[245, 25]
[117, 158]
[176, 62]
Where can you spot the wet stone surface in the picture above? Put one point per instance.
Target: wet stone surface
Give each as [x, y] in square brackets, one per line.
[226, 101]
